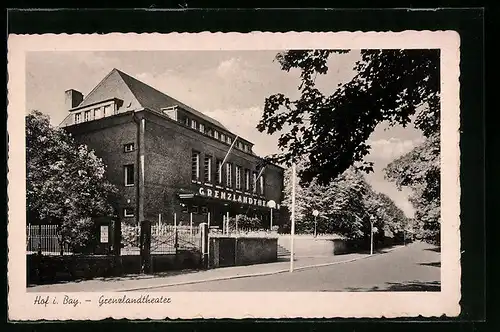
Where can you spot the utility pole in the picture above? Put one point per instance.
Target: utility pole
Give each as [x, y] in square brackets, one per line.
[292, 230]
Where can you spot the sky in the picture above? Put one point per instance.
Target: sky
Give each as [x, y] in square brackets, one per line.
[230, 86]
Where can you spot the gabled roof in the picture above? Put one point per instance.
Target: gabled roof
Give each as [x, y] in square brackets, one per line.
[137, 95]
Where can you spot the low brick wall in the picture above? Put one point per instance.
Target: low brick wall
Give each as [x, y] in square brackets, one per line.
[50, 269]
[256, 251]
[237, 251]
[308, 246]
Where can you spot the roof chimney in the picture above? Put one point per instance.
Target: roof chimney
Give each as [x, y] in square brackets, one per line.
[72, 98]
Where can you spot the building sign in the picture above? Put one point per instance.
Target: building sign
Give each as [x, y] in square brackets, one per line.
[232, 196]
[104, 234]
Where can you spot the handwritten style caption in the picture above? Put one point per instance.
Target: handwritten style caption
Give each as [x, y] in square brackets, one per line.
[102, 300]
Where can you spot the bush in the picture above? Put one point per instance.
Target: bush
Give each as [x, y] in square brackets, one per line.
[245, 223]
[79, 235]
[130, 235]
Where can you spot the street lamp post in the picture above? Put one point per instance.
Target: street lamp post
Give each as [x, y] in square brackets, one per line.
[271, 205]
[315, 214]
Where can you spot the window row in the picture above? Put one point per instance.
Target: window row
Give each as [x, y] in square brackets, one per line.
[220, 136]
[94, 114]
[244, 179]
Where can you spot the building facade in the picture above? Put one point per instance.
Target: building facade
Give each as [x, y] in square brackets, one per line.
[165, 157]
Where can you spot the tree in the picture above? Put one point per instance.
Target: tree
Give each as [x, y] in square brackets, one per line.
[65, 182]
[342, 205]
[395, 223]
[419, 170]
[331, 130]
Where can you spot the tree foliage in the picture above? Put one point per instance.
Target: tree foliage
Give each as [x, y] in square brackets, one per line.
[65, 182]
[420, 170]
[346, 207]
[331, 130]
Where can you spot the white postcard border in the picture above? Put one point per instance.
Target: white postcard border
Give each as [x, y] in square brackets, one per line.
[242, 304]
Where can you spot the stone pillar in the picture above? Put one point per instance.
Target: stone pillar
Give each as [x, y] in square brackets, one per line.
[204, 238]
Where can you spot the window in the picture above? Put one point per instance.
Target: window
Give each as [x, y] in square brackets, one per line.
[229, 140]
[194, 124]
[219, 171]
[238, 177]
[247, 179]
[129, 175]
[97, 113]
[210, 132]
[223, 137]
[195, 165]
[261, 185]
[128, 212]
[202, 128]
[129, 147]
[216, 134]
[254, 182]
[78, 117]
[107, 110]
[186, 121]
[229, 174]
[86, 116]
[208, 169]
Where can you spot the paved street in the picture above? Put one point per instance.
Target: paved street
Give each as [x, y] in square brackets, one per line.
[412, 268]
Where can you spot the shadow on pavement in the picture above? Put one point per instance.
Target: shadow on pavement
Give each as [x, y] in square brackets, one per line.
[119, 278]
[377, 250]
[415, 286]
[408, 286]
[436, 249]
[435, 264]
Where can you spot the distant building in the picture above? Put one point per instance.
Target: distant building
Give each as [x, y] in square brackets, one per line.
[164, 156]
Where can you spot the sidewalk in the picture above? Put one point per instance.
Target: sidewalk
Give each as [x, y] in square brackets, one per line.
[171, 278]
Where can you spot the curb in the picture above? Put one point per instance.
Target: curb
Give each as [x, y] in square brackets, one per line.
[248, 275]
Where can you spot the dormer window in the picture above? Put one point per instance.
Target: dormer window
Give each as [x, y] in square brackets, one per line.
[170, 111]
[194, 124]
[223, 137]
[97, 113]
[216, 134]
[202, 128]
[107, 110]
[229, 140]
[86, 116]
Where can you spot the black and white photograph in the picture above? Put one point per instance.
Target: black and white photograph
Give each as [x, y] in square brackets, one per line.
[155, 173]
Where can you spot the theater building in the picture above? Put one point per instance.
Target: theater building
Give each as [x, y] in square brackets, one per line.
[165, 156]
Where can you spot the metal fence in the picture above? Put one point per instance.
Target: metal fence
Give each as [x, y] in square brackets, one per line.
[165, 239]
[45, 238]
